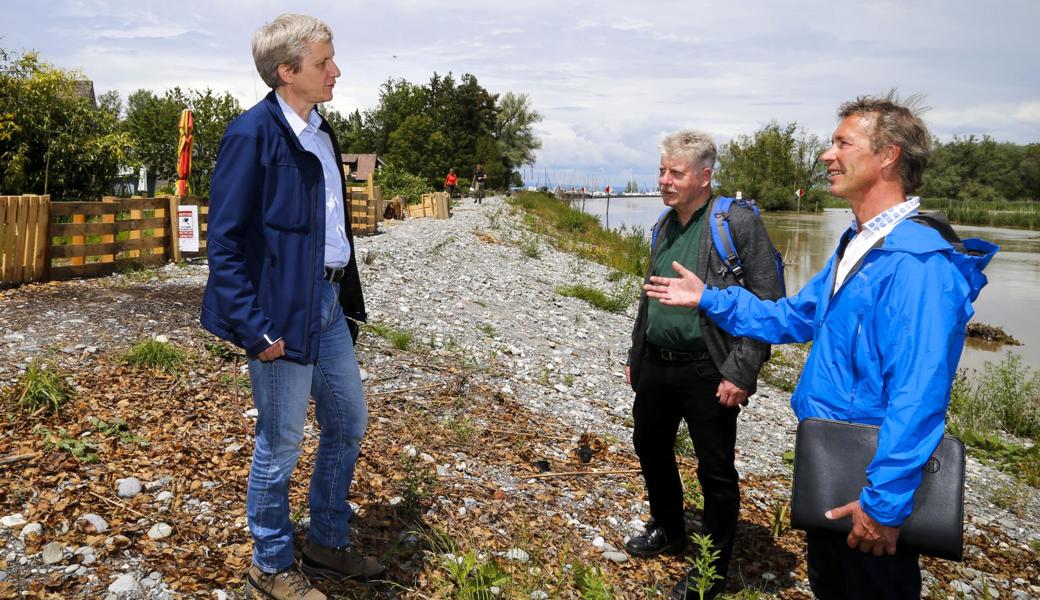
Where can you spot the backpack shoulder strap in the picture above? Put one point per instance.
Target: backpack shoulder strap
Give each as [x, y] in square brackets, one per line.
[657, 228]
[722, 237]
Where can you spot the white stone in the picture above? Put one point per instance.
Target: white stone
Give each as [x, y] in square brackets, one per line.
[129, 487]
[517, 555]
[617, 557]
[364, 375]
[162, 339]
[53, 553]
[125, 584]
[220, 595]
[13, 521]
[86, 555]
[410, 451]
[599, 542]
[96, 522]
[160, 531]
[30, 530]
[960, 587]
[539, 595]
[426, 458]
[396, 500]
[164, 496]
[252, 413]
[71, 569]
[559, 387]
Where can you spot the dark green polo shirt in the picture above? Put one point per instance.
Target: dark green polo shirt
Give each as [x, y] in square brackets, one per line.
[677, 327]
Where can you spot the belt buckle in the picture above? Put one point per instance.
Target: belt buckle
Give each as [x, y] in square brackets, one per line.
[666, 354]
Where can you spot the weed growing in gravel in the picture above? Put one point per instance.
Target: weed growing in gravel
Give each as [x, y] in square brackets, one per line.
[703, 559]
[528, 244]
[494, 219]
[220, 349]
[236, 381]
[1005, 396]
[438, 248]
[785, 366]
[590, 583]
[464, 575]
[692, 495]
[683, 445]
[615, 303]
[487, 329]
[155, 353]
[1013, 497]
[781, 522]
[398, 338]
[43, 388]
[462, 429]
[369, 257]
[416, 485]
[81, 450]
[117, 428]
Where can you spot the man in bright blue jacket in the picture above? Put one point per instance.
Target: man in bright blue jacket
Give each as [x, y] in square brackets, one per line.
[284, 285]
[887, 316]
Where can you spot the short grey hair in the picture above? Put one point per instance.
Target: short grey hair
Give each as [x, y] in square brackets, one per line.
[284, 42]
[696, 146]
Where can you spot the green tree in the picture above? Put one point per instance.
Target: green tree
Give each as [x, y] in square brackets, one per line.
[152, 122]
[211, 113]
[53, 141]
[514, 130]
[771, 164]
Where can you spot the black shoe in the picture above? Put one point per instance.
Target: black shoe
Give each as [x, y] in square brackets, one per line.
[688, 588]
[654, 541]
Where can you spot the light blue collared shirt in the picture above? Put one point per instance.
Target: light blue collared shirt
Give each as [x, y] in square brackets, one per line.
[318, 143]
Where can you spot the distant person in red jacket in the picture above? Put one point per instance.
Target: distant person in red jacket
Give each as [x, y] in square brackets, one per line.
[450, 182]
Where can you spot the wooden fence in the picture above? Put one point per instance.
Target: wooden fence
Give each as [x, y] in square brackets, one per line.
[93, 239]
[42, 240]
[23, 238]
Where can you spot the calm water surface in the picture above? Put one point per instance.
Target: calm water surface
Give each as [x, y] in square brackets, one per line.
[807, 242]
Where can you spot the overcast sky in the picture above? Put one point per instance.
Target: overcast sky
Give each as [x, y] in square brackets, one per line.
[610, 77]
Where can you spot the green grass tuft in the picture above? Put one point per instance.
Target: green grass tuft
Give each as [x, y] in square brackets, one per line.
[617, 302]
[43, 388]
[156, 354]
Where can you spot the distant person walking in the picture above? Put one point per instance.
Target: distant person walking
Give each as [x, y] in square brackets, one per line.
[451, 182]
[283, 285]
[479, 178]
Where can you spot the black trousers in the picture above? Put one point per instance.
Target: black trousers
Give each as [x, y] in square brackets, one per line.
[837, 572]
[670, 392]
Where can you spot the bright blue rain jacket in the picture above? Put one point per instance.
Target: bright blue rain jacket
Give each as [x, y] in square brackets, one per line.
[885, 349]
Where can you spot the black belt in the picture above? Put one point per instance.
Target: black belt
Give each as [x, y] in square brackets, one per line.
[334, 274]
[669, 355]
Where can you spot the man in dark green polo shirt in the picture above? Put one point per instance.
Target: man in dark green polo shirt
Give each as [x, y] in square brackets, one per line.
[683, 367]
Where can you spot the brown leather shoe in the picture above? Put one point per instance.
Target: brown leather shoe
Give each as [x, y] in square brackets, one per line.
[289, 584]
[337, 564]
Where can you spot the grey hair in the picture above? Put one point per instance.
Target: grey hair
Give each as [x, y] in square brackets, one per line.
[284, 42]
[896, 123]
[695, 146]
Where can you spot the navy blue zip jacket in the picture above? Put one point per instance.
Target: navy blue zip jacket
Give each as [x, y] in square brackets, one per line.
[265, 239]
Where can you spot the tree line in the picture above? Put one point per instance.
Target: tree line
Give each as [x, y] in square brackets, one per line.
[55, 141]
[775, 161]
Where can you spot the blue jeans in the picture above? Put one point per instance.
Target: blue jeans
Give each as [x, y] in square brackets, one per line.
[280, 393]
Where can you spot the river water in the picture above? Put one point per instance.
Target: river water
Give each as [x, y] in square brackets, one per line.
[807, 242]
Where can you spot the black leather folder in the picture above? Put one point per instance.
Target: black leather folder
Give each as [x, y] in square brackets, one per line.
[830, 463]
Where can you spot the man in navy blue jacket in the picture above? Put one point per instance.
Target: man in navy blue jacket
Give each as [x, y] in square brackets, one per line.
[284, 285]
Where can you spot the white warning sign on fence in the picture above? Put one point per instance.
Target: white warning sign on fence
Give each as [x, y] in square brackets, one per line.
[188, 228]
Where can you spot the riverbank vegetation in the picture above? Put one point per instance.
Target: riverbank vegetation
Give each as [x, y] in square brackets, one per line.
[571, 230]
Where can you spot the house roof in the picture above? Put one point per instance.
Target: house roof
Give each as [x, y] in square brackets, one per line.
[361, 165]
